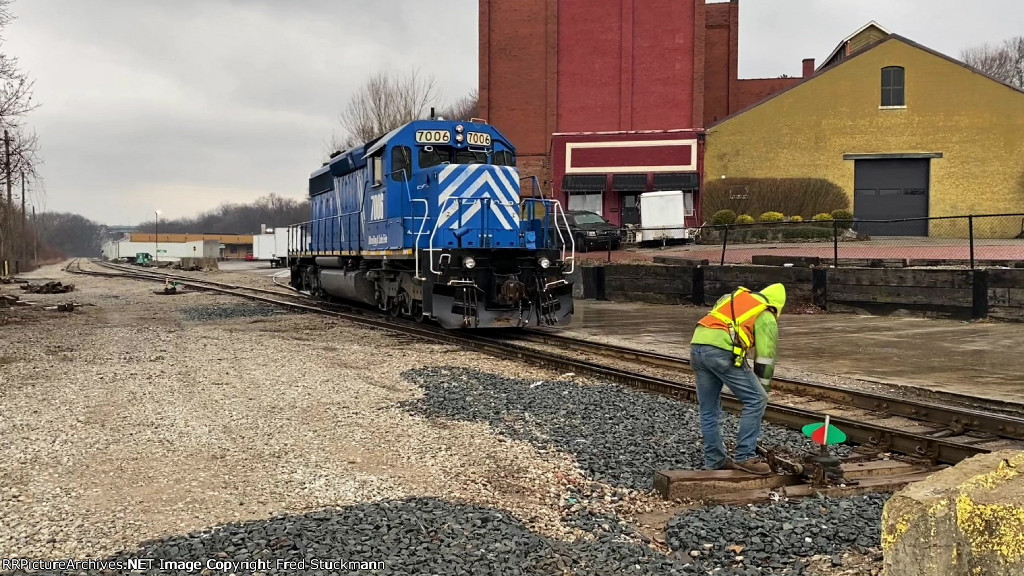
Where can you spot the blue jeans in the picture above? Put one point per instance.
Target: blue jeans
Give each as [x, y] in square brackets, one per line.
[715, 367]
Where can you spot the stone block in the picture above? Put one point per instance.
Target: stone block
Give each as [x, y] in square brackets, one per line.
[967, 520]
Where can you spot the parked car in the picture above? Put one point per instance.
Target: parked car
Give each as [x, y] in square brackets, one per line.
[592, 231]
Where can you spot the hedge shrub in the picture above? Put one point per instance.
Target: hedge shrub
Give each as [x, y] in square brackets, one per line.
[723, 217]
[786, 195]
[823, 217]
[796, 218]
[744, 219]
[842, 215]
[771, 217]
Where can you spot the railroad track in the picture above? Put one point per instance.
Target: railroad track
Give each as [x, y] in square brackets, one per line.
[915, 425]
[879, 424]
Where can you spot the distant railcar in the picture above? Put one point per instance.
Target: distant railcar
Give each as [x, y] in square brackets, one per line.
[427, 222]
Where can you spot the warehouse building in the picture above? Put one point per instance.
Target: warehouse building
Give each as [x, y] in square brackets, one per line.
[908, 132]
[221, 246]
[607, 99]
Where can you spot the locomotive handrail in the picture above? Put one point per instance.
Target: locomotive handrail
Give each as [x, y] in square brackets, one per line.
[423, 222]
[572, 254]
[437, 223]
[423, 219]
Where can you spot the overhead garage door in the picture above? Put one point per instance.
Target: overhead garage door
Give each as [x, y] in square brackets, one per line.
[890, 190]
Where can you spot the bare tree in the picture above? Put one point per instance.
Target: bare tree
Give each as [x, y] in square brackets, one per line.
[386, 102]
[22, 145]
[1004, 62]
[464, 108]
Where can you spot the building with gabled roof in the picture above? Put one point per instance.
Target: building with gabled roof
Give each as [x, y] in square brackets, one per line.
[906, 131]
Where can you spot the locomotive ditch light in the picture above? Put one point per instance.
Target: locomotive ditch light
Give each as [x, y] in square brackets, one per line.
[544, 262]
[459, 128]
[459, 138]
[468, 262]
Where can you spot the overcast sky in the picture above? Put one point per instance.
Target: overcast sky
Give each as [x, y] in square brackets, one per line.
[183, 105]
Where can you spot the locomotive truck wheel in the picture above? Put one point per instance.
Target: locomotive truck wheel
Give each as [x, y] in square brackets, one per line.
[417, 312]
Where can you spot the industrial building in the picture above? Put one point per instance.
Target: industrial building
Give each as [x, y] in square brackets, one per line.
[908, 132]
[607, 99]
[220, 246]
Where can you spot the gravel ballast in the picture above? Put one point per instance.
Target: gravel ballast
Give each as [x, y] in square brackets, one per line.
[198, 428]
[618, 435]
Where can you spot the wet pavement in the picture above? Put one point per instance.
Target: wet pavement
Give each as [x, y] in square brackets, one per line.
[969, 358]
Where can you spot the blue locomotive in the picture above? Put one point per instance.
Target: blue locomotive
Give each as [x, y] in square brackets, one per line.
[427, 222]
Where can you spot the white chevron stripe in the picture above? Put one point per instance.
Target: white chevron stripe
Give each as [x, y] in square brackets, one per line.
[445, 172]
[495, 183]
[513, 206]
[458, 182]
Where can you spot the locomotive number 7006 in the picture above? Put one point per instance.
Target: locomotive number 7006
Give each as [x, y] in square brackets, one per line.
[433, 136]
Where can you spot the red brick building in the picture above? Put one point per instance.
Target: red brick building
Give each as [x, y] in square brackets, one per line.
[619, 89]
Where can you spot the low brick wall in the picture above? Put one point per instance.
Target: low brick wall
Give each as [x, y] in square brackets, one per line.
[721, 280]
[996, 293]
[655, 284]
[935, 292]
[1005, 294]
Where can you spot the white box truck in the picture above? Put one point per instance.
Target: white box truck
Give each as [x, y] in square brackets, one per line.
[663, 217]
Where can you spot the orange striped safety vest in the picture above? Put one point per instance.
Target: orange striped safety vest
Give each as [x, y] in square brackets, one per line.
[737, 316]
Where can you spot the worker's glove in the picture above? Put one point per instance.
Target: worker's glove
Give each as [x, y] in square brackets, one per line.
[764, 369]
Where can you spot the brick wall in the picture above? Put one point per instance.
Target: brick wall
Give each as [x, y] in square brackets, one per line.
[751, 91]
[517, 71]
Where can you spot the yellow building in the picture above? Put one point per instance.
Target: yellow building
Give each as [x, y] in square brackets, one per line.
[233, 246]
[906, 131]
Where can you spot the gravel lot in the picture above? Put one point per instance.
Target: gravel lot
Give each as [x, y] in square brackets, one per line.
[194, 427]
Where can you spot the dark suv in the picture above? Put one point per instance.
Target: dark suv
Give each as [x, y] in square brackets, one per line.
[592, 231]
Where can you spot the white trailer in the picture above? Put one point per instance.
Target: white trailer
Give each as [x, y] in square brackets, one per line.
[280, 247]
[263, 247]
[663, 216]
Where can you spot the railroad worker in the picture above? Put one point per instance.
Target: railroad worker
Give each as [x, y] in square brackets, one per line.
[740, 322]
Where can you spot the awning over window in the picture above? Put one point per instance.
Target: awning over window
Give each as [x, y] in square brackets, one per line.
[584, 182]
[629, 182]
[679, 181]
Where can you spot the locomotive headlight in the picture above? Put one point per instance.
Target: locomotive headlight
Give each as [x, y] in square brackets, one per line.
[544, 262]
[459, 137]
[468, 262]
[459, 128]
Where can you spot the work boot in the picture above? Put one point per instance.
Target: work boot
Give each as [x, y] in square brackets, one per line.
[754, 466]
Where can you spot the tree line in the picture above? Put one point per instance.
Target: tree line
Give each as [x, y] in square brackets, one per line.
[272, 210]
[19, 152]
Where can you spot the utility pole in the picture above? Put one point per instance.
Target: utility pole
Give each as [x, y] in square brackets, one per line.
[8, 225]
[24, 245]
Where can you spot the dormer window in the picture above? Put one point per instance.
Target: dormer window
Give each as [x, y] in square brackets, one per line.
[893, 87]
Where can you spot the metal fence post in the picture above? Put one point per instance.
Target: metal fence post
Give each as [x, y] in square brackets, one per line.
[725, 242]
[970, 237]
[835, 244]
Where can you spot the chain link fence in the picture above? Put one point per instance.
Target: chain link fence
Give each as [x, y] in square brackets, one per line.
[969, 241]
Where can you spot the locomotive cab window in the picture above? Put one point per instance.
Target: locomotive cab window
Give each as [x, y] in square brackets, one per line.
[434, 156]
[504, 158]
[401, 163]
[470, 157]
[378, 168]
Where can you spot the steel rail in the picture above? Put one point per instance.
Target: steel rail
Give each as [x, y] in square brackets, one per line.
[880, 437]
[954, 418]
